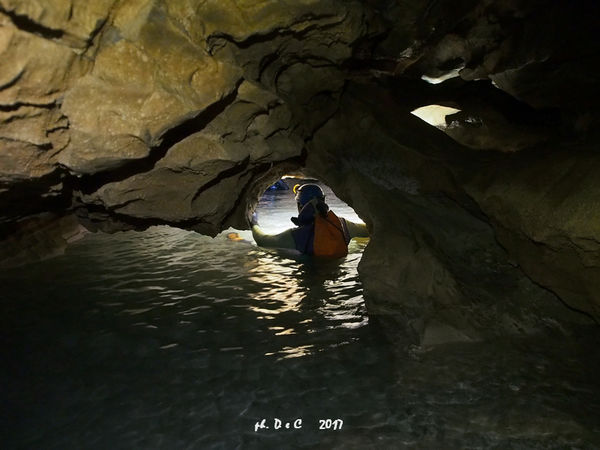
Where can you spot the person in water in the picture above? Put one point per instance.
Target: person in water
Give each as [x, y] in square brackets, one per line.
[318, 230]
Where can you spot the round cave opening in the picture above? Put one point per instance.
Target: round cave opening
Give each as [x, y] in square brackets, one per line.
[278, 208]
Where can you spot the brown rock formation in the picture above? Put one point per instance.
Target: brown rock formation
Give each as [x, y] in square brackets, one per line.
[143, 112]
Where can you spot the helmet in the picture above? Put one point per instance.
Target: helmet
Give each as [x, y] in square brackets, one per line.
[307, 192]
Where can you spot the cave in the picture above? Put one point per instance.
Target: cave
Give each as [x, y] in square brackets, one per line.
[464, 134]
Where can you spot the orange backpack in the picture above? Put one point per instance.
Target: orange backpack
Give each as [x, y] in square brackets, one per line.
[331, 236]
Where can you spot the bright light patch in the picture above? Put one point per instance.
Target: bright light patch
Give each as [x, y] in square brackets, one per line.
[452, 74]
[276, 207]
[434, 114]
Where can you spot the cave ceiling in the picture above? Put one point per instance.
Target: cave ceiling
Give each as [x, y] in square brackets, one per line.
[142, 112]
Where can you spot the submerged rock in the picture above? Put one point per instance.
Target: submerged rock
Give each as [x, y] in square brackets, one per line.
[39, 238]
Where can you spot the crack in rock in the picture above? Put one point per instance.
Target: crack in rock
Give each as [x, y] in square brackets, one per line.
[91, 183]
[26, 24]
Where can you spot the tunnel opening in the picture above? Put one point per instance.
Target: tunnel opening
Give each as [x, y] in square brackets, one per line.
[277, 203]
[434, 115]
[293, 280]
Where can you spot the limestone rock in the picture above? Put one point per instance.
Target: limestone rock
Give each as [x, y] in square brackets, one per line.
[39, 238]
[34, 72]
[137, 91]
[181, 112]
[559, 190]
[431, 262]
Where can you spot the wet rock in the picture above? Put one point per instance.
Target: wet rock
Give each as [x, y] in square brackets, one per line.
[547, 217]
[39, 238]
[434, 263]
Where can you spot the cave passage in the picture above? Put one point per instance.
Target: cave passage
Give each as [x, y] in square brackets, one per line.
[169, 336]
[277, 205]
[309, 280]
[166, 332]
[464, 134]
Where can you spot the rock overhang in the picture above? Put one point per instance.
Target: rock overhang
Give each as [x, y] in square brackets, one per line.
[145, 112]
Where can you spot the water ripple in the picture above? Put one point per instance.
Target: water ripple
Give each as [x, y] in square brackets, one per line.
[169, 339]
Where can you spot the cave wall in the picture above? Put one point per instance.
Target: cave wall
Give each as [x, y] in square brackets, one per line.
[440, 244]
[142, 112]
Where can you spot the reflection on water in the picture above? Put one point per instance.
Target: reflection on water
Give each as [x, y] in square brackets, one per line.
[171, 339]
[168, 339]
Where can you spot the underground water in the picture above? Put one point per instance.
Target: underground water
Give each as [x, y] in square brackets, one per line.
[170, 339]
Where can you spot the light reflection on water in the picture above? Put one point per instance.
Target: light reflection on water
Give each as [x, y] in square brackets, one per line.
[276, 207]
[123, 327]
[168, 339]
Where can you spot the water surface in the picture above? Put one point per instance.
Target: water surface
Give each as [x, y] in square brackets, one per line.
[168, 339]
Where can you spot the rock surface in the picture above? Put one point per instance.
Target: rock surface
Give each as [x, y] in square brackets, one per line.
[145, 112]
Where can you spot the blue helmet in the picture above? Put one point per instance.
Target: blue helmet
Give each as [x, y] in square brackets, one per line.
[307, 192]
